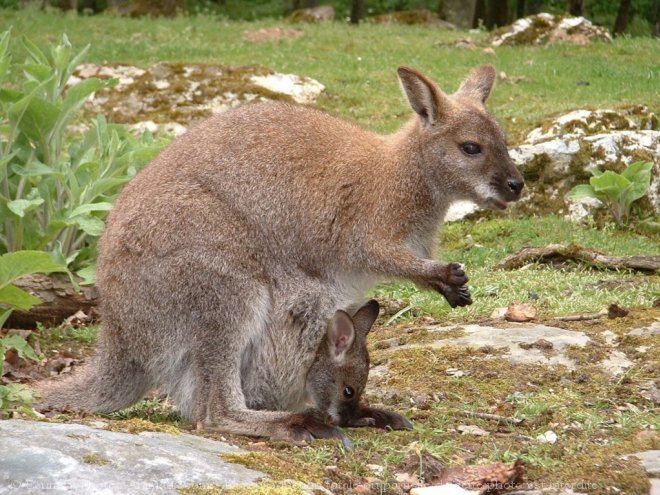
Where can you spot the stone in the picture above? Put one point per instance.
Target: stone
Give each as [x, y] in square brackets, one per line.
[72, 458]
[563, 153]
[547, 437]
[650, 461]
[168, 97]
[546, 28]
[321, 13]
[650, 331]
[301, 89]
[509, 338]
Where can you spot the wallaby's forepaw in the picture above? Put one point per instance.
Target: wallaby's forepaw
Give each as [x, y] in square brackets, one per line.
[458, 296]
[449, 280]
[380, 418]
[305, 427]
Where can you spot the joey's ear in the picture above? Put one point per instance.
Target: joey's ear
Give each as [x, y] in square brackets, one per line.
[425, 98]
[365, 317]
[479, 83]
[341, 334]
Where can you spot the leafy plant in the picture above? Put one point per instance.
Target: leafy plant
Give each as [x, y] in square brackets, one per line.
[14, 266]
[617, 191]
[57, 186]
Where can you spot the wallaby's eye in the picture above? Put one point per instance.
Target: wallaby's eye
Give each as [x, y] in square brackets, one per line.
[349, 392]
[470, 148]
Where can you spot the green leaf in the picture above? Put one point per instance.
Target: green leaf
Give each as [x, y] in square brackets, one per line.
[90, 225]
[88, 274]
[8, 95]
[582, 191]
[34, 168]
[639, 174]
[34, 51]
[611, 184]
[35, 117]
[4, 316]
[21, 206]
[16, 298]
[88, 208]
[37, 72]
[21, 263]
[20, 344]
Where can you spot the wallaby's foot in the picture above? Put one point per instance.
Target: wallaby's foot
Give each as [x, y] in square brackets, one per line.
[305, 427]
[379, 418]
[449, 279]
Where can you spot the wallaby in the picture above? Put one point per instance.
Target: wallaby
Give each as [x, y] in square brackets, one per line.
[273, 216]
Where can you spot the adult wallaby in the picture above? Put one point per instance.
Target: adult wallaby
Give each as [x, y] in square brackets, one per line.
[275, 215]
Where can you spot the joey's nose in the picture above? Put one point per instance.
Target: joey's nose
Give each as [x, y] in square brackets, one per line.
[515, 185]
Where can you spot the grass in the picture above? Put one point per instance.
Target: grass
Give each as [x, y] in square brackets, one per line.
[357, 65]
[597, 418]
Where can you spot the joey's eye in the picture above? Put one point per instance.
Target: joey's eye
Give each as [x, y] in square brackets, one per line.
[470, 148]
[349, 392]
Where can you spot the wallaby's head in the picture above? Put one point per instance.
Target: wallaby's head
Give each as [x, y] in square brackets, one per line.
[337, 378]
[463, 148]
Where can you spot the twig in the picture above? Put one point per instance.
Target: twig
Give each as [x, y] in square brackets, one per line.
[591, 316]
[492, 417]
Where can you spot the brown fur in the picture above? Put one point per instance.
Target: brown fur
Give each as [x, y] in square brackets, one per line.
[223, 261]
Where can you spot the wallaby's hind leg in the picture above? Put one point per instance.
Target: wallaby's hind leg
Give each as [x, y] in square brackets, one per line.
[103, 385]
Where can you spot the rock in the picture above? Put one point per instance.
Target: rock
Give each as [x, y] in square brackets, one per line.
[650, 460]
[547, 437]
[520, 312]
[168, 97]
[322, 13]
[509, 338]
[616, 363]
[546, 28]
[650, 331]
[68, 457]
[563, 152]
[300, 89]
[472, 430]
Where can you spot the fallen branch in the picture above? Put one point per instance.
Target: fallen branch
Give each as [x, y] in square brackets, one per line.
[591, 316]
[492, 417]
[556, 253]
[60, 300]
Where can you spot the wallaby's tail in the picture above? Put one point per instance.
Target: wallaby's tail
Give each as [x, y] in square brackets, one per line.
[100, 386]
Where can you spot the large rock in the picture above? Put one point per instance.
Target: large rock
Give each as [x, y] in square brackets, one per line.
[169, 97]
[322, 13]
[563, 152]
[57, 458]
[545, 28]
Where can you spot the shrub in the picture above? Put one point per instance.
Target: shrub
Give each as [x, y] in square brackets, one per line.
[57, 186]
[617, 191]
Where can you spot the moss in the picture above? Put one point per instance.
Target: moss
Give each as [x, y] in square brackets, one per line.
[532, 35]
[137, 425]
[95, 459]
[278, 465]
[264, 488]
[190, 89]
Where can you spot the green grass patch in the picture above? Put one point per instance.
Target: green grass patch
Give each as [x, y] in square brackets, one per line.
[570, 289]
[358, 64]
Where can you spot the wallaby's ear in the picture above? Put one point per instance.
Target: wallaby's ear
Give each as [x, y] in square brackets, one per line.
[479, 83]
[365, 317]
[425, 98]
[341, 334]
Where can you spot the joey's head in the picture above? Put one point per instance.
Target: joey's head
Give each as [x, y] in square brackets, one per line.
[337, 378]
[459, 146]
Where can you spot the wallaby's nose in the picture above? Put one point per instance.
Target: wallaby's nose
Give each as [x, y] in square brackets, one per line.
[515, 185]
